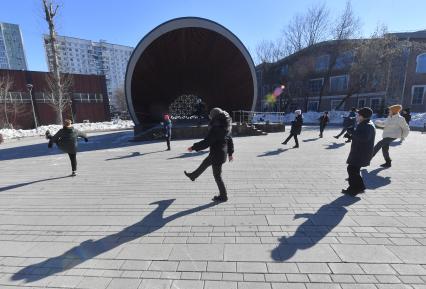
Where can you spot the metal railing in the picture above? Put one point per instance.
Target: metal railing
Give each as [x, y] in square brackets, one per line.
[244, 116]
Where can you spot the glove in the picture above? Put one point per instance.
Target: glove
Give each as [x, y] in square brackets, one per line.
[86, 139]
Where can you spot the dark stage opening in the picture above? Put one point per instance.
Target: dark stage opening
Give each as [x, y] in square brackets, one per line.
[188, 56]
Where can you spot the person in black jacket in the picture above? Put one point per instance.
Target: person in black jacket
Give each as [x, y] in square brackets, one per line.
[361, 151]
[324, 120]
[167, 125]
[221, 145]
[407, 115]
[66, 140]
[349, 123]
[296, 128]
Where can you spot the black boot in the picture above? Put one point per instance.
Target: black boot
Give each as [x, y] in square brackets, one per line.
[189, 176]
[220, 198]
[387, 164]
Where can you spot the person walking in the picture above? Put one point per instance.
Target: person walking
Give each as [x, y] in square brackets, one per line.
[395, 126]
[361, 151]
[221, 145]
[349, 123]
[66, 140]
[324, 120]
[167, 125]
[296, 128]
[407, 115]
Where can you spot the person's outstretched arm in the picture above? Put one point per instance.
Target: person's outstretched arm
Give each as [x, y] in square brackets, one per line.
[230, 144]
[82, 135]
[211, 137]
[404, 127]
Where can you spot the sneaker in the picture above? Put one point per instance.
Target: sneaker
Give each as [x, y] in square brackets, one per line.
[386, 165]
[283, 143]
[296, 146]
[189, 176]
[220, 199]
[73, 174]
[348, 141]
[336, 137]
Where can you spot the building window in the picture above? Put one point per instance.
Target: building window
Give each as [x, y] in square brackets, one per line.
[321, 63]
[335, 103]
[421, 63]
[375, 104]
[361, 102]
[418, 94]
[339, 83]
[344, 60]
[313, 105]
[284, 70]
[315, 85]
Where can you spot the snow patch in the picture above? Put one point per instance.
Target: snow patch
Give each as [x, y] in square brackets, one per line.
[86, 127]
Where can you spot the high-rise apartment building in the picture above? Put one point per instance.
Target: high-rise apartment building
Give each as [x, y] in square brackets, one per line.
[12, 54]
[87, 57]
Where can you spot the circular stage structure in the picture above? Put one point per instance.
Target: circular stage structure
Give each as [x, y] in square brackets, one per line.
[188, 56]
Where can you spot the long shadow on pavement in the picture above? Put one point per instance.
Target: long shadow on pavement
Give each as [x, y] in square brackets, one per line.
[373, 180]
[315, 228]
[132, 155]
[90, 249]
[273, 153]
[311, 139]
[334, 146]
[98, 142]
[11, 187]
[189, 155]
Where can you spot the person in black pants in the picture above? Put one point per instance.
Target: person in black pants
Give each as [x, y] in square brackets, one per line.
[361, 151]
[167, 125]
[296, 128]
[324, 120]
[66, 140]
[221, 145]
[349, 123]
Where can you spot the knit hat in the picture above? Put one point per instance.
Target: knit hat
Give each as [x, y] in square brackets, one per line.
[215, 112]
[298, 112]
[395, 108]
[365, 112]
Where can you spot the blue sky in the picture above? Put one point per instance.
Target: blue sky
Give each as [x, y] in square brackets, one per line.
[127, 21]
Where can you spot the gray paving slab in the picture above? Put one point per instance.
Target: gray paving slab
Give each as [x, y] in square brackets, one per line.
[131, 219]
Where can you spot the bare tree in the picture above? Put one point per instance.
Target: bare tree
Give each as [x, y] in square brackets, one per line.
[120, 97]
[346, 27]
[5, 84]
[58, 87]
[270, 51]
[58, 94]
[316, 25]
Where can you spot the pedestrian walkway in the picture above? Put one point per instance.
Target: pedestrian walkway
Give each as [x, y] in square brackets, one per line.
[131, 219]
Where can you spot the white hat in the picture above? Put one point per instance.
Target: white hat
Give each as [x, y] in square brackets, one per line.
[298, 111]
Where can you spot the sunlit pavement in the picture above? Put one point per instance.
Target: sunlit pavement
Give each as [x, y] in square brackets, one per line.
[131, 219]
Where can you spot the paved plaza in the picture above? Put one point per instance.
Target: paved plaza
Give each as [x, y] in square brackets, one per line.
[131, 219]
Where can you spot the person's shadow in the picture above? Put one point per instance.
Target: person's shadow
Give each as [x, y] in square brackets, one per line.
[311, 139]
[132, 155]
[373, 180]
[189, 155]
[90, 249]
[273, 153]
[325, 219]
[334, 145]
[11, 187]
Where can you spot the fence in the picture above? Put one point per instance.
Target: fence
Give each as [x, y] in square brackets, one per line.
[244, 116]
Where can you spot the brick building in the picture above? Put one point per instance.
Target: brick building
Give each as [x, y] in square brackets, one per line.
[320, 75]
[88, 95]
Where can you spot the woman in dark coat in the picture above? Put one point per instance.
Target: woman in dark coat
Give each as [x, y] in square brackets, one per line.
[296, 128]
[361, 153]
[66, 140]
[324, 120]
[221, 145]
[167, 124]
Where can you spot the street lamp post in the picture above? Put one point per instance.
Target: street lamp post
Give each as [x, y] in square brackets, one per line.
[30, 88]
